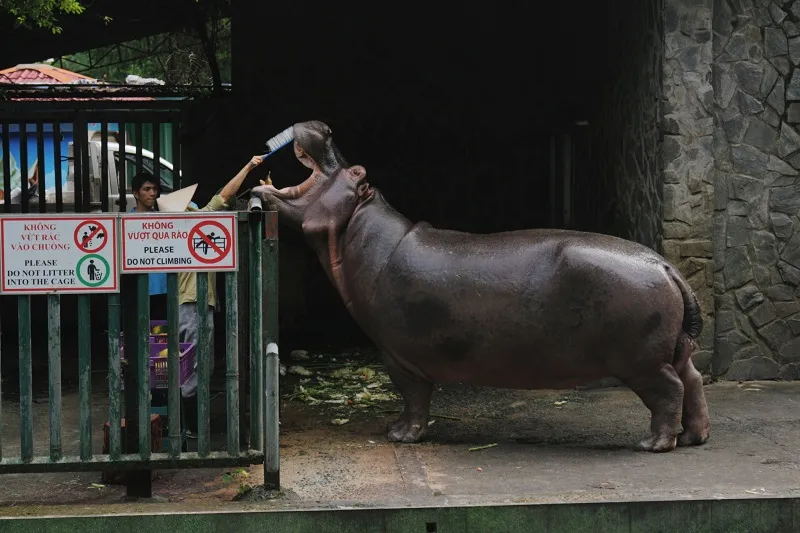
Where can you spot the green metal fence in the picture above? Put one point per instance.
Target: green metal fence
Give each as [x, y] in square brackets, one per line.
[259, 252]
[250, 328]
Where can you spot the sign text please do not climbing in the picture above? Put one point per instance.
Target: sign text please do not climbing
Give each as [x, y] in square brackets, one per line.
[58, 254]
[184, 242]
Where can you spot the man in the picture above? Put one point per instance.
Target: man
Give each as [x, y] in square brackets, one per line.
[187, 282]
[144, 188]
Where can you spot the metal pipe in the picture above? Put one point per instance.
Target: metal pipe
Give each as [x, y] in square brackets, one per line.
[157, 461]
[114, 381]
[143, 367]
[232, 361]
[255, 204]
[41, 185]
[23, 168]
[104, 167]
[256, 334]
[6, 167]
[57, 165]
[272, 467]
[54, 372]
[85, 376]
[173, 362]
[203, 367]
[25, 379]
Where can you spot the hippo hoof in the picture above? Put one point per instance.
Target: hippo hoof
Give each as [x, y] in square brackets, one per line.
[407, 432]
[692, 438]
[657, 444]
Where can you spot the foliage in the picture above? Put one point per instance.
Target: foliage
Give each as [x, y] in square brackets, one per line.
[42, 13]
[178, 58]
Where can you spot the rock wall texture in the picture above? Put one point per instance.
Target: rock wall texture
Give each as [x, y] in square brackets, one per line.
[756, 111]
[687, 154]
[624, 193]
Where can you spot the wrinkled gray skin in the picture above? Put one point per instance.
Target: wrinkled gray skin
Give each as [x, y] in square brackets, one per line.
[526, 309]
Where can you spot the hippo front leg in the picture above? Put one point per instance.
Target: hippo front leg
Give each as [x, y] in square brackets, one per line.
[417, 392]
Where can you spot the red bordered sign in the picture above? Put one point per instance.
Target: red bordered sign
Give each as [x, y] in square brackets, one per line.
[186, 242]
[41, 254]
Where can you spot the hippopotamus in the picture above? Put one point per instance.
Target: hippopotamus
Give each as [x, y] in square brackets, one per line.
[523, 309]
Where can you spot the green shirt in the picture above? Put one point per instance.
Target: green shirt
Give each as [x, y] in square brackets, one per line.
[187, 282]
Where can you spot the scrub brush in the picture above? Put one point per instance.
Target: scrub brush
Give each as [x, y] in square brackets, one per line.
[279, 141]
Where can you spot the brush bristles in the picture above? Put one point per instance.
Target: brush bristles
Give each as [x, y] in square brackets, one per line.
[280, 140]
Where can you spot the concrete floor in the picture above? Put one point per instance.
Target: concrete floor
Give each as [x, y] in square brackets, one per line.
[547, 451]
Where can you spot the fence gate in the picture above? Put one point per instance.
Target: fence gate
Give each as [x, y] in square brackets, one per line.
[76, 163]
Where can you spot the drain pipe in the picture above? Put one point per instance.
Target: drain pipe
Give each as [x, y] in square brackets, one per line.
[272, 466]
[255, 204]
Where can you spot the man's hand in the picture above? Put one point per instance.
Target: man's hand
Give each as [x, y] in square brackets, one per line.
[233, 185]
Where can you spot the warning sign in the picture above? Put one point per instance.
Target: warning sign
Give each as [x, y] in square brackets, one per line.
[209, 242]
[190, 242]
[90, 236]
[58, 253]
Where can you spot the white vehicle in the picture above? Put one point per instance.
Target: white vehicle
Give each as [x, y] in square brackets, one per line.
[94, 148]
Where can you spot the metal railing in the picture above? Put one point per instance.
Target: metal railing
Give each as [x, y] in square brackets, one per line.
[250, 304]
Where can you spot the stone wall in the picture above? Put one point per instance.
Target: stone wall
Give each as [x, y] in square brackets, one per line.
[621, 193]
[687, 154]
[756, 109]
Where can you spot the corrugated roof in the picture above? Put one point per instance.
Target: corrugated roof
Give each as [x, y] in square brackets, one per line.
[41, 74]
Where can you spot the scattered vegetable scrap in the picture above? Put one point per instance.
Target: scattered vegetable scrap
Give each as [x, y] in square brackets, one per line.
[345, 386]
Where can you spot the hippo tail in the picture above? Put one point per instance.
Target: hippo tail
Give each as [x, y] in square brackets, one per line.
[692, 315]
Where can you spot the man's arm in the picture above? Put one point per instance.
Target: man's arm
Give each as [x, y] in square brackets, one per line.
[233, 185]
[219, 201]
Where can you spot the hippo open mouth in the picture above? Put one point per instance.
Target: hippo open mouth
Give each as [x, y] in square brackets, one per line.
[314, 148]
[296, 191]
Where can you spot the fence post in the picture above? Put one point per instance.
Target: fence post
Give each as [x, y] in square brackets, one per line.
[256, 332]
[232, 362]
[271, 360]
[138, 482]
[25, 379]
[54, 373]
[243, 332]
[272, 464]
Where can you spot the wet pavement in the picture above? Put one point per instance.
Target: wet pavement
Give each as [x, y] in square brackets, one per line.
[551, 446]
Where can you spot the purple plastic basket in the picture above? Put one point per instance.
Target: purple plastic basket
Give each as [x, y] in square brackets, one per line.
[159, 368]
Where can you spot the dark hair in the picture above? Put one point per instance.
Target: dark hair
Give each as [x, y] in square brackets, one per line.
[140, 179]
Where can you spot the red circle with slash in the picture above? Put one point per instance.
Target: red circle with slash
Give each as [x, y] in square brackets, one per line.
[221, 252]
[82, 242]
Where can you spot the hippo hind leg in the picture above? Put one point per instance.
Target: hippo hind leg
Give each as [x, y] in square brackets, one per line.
[661, 390]
[695, 420]
[412, 425]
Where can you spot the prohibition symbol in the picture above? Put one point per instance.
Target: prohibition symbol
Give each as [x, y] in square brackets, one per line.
[210, 247]
[90, 236]
[92, 270]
